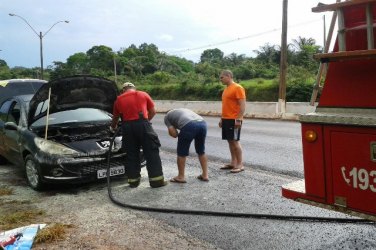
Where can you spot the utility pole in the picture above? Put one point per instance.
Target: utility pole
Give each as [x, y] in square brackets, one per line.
[283, 62]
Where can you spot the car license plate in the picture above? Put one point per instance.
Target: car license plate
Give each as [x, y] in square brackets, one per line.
[102, 173]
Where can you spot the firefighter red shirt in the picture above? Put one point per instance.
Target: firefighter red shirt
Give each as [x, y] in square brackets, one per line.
[131, 103]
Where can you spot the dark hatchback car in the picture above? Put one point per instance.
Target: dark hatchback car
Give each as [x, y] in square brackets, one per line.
[61, 134]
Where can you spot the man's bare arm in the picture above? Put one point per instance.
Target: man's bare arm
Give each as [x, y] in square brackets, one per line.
[151, 113]
[242, 108]
[173, 132]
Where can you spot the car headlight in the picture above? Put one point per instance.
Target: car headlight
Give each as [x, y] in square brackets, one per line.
[51, 147]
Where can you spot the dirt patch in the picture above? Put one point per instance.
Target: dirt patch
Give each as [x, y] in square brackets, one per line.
[95, 222]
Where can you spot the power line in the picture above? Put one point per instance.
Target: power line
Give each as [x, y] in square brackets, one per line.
[242, 38]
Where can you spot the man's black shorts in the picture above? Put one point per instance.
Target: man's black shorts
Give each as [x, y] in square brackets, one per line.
[229, 132]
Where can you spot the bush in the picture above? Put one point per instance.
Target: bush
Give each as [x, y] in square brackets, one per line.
[256, 91]
[159, 77]
[262, 92]
[300, 92]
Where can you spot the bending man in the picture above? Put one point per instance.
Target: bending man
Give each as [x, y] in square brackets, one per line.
[192, 127]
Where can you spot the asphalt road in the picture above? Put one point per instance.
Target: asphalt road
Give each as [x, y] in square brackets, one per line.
[271, 145]
[270, 148]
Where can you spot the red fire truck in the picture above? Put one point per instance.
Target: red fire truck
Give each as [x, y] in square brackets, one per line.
[339, 138]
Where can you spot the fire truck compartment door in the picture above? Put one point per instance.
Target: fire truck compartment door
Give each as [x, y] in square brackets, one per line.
[354, 169]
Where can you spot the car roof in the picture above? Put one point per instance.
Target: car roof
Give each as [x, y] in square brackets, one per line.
[4, 83]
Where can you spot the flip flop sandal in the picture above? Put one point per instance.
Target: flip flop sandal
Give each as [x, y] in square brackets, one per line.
[175, 180]
[227, 166]
[236, 170]
[202, 178]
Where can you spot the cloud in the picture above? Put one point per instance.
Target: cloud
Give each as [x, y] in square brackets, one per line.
[166, 37]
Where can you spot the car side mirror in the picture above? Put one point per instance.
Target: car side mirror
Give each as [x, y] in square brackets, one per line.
[10, 126]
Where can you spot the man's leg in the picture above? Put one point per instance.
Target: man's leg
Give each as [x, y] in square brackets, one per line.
[234, 161]
[150, 146]
[181, 168]
[204, 165]
[236, 154]
[132, 162]
[184, 142]
[200, 148]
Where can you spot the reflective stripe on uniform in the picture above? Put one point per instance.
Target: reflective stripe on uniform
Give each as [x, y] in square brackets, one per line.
[133, 180]
[158, 178]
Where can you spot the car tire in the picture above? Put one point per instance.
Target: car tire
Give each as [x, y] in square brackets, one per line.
[33, 176]
[3, 161]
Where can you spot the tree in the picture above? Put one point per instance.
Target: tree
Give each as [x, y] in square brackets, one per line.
[22, 72]
[184, 64]
[59, 70]
[4, 70]
[164, 63]
[131, 51]
[246, 70]
[233, 60]
[301, 42]
[303, 56]
[140, 61]
[78, 63]
[3, 63]
[101, 58]
[268, 54]
[214, 56]
[209, 72]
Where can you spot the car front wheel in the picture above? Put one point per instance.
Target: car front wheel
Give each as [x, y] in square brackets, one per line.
[33, 176]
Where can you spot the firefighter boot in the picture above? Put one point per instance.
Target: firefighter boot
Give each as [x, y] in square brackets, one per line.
[157, 182]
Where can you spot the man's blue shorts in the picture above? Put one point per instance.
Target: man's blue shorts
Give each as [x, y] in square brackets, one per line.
[194, 130]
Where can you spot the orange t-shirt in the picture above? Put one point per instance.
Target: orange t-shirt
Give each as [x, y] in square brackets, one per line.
[230, 100]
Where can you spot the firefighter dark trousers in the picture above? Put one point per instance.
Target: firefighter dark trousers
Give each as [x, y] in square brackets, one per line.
[137, 134]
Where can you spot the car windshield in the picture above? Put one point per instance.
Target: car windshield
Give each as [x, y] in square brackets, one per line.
[81, 115]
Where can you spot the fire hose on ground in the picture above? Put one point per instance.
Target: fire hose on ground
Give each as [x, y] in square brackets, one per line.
[218, 213]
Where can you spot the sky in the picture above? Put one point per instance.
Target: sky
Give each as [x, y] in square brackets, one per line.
[183, 28]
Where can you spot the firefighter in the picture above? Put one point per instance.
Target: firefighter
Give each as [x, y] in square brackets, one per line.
[136, 109]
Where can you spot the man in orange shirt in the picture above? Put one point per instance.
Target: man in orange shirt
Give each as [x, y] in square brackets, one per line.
[233, 107]
[136, 109]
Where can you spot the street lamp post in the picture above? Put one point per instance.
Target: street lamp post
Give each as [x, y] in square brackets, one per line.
[40, 35]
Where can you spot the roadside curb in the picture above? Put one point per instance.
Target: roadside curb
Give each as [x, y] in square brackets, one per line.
[284, 116]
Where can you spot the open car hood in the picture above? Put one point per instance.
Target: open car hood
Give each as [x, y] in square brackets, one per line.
[72, 93]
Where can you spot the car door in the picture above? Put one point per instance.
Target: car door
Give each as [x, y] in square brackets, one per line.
[11, 137]
[4, 109]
